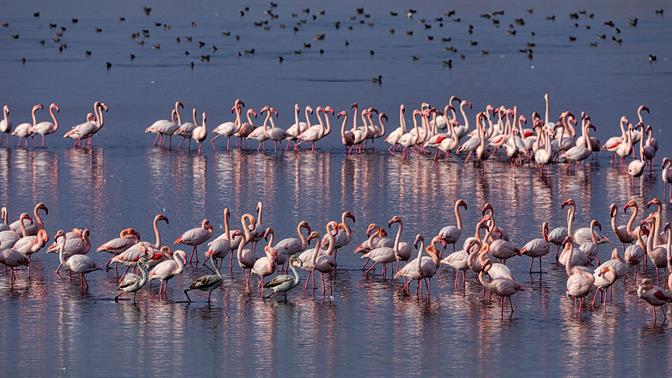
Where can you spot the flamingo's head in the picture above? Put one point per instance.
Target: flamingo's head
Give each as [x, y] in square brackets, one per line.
[349, 215]
[42, 206]
[487, 207]
[5, 109]
[329, 109]
[161, 217]
[460, 203]
[371, 228]
[631, 203]
[313, 235]
[394, 219]
[613, 210]
[402, 107]
[342, 114]
[654, 202]
[418, 239]
[569, 202]
[38, 107]
[206, 225]
[54, 107]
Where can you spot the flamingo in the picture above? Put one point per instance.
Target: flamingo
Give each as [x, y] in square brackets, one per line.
[558, 234]
[573, 256]
[347, 137]
[8, 237]
[591, 247]
[167, 129]
[502, 287]
[537, 248]
[245, 256]
[451, 234]
[657, 253]
[3, 226]
[392, 138]
[5, 125]
[132, 283]
[46, 128]
[315, 133]
[223, 245]
[195, 237]
[32, 227]
[579, 281]
[162, 124]
[604, 277]
[666, 174]
[409, 139]
[80, 264]
[128, 237]
[30, 245]
[77, 243]
[386, 255]
[98, 108]
[636, 166]
[166, 270]
[621, 232]
[637, 135]
[292, 246]
[655, 296]
[208, 282]
[284, 283]
[578, 153]
[423, 267]
[131, 256]
[228, 129]
[24, 130]
[459, 260]
[325, 262]
[343, 232]
[614, 269]
[83, 128]
[276, 134]
[200, 132]
[246, 128]
[298, 127]
[259, 133]
[13, 259]
[186, 129]
[635, 253]
[265, 266]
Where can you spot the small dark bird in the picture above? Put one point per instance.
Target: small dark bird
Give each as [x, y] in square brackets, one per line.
[618, 31]
[239, 54]
[530, 56]
[511, 32]
[360, 10]
[409, 32]
[192, 65]
[42, 42]
[550, 18]
[274, 5]
[531, 44]
[660, 11]
[593, 44]
[372, 53]
[237, 37]
[75, 20]
[189, 38]
[319, 37]
[347, 43]
[214, 48]
[14, 36]
[205, 58]
[572, 38]
[147, 10]
[457, 19]
[157, 24]
[51, 26]
[88, 52]
[448, 63]
[587, 27]
[617, 40]
[520, 21]
[122, 19]
[186, 53]
[242, 13]
[416, 58]
[280, 59]
[444, 39]
[533, 34]
[430, 37]
[108, 65]
[99, 30]
[297, 52]
[193, 24]
[574, 16]
[178, 39]
[462, 56]
[392, 31]
[132, 56]
[321, 51]
[226, 33]
[36, 14]
[201, 44]
[530, 11]
[306, 10]
[485, 52]
[610, 23]
[377, 79]
[652, 58]
[5, 24]
[602, 36]
[450, 13]
[23, 60]
[394, 14]
[337, 25]
[157, 46]
[306, 45]
[473, 43]
[249, 51]
[633, 21]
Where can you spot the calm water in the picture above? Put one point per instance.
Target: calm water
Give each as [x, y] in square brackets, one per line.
[50, 328]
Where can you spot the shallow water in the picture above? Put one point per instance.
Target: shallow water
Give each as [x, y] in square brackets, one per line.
[368, 326]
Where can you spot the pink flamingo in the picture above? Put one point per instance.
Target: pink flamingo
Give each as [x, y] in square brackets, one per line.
[46, 128]
[195, 237]
[166, 270]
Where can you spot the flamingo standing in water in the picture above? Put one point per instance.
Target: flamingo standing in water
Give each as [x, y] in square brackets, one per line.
[128, 237]
[200, 132]
[298, 127]
[5, 126]
[265, 266]
[186, 129]
[9, 237]
[229, 128]
[24, 130]
[94, 123]
[386, 255]
[166, 270]
[423, 267]
[325, 263]
[80, 264]
[13, 259]
[246, 128]
[580, 281]
[195, 237]
[666, 174]
[537, 248]
[132, 283]
[245, 256]
[502, 287]
[30, 245]
[291, 246]
[208, 282]
[284, 283]
[162, 124]
[393, 138]
[32, 227]
[131, 256]
[276, 134]
[47, 128]
[451, 234]
[655, 296]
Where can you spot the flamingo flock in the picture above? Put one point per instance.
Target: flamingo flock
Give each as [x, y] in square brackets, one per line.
[641, 247]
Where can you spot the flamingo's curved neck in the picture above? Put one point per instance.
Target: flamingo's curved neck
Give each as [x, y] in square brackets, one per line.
[157, 234]
[458, 216]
